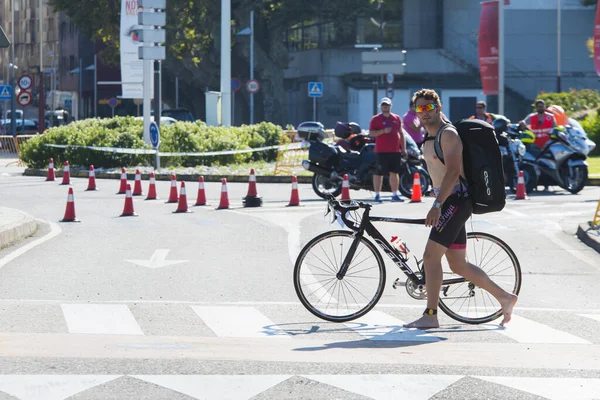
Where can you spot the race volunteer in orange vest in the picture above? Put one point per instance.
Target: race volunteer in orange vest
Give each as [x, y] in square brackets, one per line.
[540, 122]
[481, 114]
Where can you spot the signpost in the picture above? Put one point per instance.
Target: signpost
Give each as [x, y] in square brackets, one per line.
[154, 134]
[112, 103]
[235, 86]
[315, 89]
[25, 82]
[24, 98]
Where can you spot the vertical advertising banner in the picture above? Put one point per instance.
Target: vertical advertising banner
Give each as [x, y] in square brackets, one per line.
[488, 47]
[132, 69]
[597, 40]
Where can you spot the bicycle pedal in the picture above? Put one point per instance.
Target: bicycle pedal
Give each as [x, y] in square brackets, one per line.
[397, 283]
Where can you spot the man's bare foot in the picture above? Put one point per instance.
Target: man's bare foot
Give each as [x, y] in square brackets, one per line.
[425, 322]
[507, 304]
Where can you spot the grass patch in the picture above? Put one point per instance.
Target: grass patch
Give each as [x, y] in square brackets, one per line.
[594, 165]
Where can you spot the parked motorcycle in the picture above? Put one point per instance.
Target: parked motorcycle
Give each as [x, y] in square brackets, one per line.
[562, 159]
[513, 151]
[354, 155]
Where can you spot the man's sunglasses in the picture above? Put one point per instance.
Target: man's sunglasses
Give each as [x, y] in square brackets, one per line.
[426, 107]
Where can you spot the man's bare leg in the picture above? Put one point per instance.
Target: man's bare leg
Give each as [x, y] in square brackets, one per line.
[377, 183]
[394, 182]
[432, 262]
[458, 264]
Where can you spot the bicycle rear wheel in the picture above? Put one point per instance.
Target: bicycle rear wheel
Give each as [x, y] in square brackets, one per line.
[330, 298]
[470, 304]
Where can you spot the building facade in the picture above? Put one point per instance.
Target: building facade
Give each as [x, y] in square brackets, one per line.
[440, 40]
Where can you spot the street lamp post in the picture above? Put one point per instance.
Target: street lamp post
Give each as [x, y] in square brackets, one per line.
[558, 55]
[250, 32]
[226, 62]
[13, 98]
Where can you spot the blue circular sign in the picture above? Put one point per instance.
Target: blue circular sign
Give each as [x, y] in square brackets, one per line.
[236, 84]
[154, 134]
[112, 102]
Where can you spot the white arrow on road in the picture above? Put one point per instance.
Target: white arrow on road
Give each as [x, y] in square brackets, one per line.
[158, 260]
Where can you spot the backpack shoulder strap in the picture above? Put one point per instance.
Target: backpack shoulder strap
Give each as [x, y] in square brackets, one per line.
[437, 142]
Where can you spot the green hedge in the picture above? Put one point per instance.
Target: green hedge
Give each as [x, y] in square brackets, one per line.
[591, 124]
[573, 101]
[126, 132]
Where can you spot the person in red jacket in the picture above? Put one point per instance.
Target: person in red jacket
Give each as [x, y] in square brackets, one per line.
[540, 122]
[390, 144]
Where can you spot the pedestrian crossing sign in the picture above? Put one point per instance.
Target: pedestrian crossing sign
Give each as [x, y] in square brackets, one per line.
[315, 89]
[5, 92]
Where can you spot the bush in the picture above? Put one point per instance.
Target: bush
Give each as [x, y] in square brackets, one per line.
[573, 101]
[126, 132]
[592, 126]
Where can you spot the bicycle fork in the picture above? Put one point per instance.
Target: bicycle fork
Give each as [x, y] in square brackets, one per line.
[349, 256]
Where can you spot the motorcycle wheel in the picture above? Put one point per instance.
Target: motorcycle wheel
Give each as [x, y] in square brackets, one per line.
[530, 177]
[406, 181]
[577, 183]
[324, 186]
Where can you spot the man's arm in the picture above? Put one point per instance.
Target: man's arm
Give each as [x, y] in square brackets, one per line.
[376, 132]
[452, 148]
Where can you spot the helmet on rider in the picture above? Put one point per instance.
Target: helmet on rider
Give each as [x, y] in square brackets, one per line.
[501, 124]
[559, 114]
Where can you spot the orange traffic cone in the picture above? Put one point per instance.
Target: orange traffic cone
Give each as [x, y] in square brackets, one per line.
[173, 194]
[252, 198]
[137, 186]
[295, 198]
[182, 207]
[521, 193]
[345, 188]
[224, 202]
[128, 208]
[91, 179]
[50, 176]
[152, 188]
[123, 187]
[416, 191]
[66, 174]
[201, 200]
[70, 210]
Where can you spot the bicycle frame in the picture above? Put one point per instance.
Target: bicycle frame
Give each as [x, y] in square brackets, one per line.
[393, 253]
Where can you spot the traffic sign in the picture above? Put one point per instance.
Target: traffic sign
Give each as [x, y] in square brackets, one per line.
[5, 92]
[154, 134]
[389, 78]
[68, 103]
[389, 92]
[235, 84]
[25, 82]
[253, 86]
[24, 98]
[112, 102]
[315, 89]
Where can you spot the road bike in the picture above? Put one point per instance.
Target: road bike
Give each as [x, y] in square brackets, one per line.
[340, 275]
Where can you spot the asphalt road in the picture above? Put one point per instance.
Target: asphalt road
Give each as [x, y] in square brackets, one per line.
[202, 305]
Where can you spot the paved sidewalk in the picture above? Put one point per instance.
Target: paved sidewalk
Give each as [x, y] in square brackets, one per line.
[15, 226]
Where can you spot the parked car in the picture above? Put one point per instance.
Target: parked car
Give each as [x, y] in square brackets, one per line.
[163, 120]
[180, 114]
[24, 127]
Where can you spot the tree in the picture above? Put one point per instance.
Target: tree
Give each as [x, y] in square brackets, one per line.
[588, 2]
[193, 32]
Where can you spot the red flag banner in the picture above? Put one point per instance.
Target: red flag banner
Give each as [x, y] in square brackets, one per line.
[597, 40]
[488, 47]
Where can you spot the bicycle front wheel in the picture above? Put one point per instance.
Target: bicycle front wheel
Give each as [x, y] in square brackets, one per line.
[470, 304]
[330, 298]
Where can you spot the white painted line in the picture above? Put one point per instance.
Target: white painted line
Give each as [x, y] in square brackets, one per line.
[591, 316]
[390, 387]
[551, 388]
[50, 387]
[524, 330]
[515, 213]
[246, 322]
[575, 253]
[54, 231]
[377, 325]
[112, 319]
[216, 387]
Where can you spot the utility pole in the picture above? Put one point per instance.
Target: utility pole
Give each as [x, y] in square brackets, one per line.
[13, 98]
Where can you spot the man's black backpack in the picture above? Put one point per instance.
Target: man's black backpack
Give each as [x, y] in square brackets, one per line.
[482, 163]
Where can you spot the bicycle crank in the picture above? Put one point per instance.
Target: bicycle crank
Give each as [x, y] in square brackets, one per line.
[416, 291]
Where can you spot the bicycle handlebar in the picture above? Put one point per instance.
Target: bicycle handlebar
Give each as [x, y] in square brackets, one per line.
[353, 205]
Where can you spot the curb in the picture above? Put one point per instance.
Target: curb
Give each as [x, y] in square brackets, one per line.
[593, 181]
[591, 239]
[17, 231]
[182, 177]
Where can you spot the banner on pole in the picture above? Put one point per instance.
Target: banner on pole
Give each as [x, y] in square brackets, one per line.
[132, 68]
[597, 40]
[488, 47]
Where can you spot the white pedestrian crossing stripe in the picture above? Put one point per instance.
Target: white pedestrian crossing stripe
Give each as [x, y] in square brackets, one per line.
[232, 321]
[216, 387]
[591, 316]
[551, 388]
[377, 325]
[100, 319]
[50, 387]
[524, 330]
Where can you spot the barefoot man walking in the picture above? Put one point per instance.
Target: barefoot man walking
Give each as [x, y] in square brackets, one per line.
[451, 210]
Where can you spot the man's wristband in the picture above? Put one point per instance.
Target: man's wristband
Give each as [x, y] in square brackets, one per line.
[437, 204]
